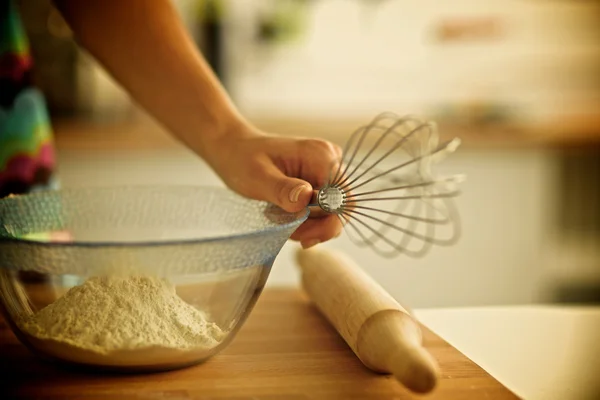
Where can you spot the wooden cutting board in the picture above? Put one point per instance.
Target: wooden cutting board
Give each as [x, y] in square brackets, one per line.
[285, 351]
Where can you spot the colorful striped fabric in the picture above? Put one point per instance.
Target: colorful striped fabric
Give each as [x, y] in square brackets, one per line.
[27, 158]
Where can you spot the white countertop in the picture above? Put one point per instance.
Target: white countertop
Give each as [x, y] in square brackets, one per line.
[538, 352]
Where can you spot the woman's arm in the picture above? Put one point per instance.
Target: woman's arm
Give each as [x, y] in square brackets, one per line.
[147, 49]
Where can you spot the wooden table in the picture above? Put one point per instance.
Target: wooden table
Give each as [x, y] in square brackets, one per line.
[141, 133]
[285, 351]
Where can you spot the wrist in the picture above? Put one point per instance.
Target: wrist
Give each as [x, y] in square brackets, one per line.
[223, 136]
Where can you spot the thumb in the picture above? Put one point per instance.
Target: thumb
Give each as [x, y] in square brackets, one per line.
[290, 194]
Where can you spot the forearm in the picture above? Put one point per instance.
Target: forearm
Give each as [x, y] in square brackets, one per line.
[145, 47]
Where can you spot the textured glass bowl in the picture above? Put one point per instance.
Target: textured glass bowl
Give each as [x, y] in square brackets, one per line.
[215, 247]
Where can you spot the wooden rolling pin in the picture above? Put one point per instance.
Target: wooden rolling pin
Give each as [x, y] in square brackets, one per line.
[380, 331]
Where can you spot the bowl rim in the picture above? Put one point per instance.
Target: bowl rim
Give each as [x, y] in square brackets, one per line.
[302, 217]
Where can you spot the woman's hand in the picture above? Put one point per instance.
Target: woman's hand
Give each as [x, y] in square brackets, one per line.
[281, 170]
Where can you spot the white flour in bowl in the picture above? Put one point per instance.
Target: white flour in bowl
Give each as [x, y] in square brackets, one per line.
[122, 321]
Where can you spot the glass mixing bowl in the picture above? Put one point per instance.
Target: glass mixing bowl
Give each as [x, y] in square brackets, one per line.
[209, 251]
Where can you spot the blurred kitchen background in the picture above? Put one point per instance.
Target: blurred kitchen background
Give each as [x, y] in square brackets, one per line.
[517, 80]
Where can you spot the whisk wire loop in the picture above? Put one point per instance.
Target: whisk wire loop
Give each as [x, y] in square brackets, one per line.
[402, 207]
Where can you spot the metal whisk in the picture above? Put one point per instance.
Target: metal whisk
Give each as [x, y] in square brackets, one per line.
[384, 190]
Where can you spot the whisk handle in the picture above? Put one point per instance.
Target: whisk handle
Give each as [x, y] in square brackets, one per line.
[380, 331]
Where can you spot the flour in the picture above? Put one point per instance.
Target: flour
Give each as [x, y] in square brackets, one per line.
[122, 321]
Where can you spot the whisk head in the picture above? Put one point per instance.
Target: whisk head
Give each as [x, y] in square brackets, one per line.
[385, 192]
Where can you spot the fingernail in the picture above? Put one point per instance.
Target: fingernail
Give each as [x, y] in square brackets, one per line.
[295, 193]
[310, 243]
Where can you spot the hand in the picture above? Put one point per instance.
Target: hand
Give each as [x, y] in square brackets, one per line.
[281, 170]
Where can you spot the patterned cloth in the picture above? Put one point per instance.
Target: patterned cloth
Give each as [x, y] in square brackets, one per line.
[27, 159]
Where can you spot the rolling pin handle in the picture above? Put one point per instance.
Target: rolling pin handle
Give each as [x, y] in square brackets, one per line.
[391, 342]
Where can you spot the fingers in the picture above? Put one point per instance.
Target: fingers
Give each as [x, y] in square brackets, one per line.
[318, 159]
[318, 230]
[285, 172]
[291, 194]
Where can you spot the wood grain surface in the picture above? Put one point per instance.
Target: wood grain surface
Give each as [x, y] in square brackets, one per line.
[285, 351]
